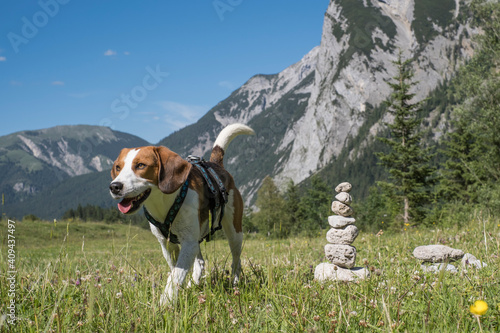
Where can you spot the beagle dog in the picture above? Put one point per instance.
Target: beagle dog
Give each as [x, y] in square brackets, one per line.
[153, 177]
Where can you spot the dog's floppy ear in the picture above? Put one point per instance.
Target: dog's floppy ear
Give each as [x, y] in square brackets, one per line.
[173, 170]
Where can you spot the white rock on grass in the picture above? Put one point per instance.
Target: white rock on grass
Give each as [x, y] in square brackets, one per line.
[469, 260]
[343, 187]
[346, 235]
[341, 209]
[434, 268]
[344, 197]
[337, 221]
[341, 255]
[437, 253]
[330, 272]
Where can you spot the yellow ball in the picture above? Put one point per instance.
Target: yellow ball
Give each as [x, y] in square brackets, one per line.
[479, 308]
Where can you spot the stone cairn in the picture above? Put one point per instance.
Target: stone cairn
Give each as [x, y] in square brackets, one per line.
[339, 252]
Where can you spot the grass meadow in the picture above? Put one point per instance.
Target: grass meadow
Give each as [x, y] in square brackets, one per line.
[94, 277]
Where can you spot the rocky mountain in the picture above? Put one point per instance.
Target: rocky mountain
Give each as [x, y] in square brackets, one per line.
[306, 115]
[320, 115]
[32, 162]
[53, 201]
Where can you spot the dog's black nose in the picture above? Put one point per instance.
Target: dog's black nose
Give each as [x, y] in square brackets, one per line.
[115, 187]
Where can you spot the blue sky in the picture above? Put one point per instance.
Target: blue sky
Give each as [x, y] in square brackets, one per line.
[143, 67]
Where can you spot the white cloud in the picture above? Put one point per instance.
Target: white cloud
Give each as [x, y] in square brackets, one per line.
[126, 53]
[227, 84]
[58, 83]
[109, 53]
[3, 59]
[15, 83]
[180, 115]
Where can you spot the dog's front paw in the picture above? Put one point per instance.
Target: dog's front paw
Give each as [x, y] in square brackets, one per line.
[236, 280]
[169, 296]
[164, 301]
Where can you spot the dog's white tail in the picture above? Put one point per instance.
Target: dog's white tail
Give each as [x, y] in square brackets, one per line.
[225, 137]
[230, 132]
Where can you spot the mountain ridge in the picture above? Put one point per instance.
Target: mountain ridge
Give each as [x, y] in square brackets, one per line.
[36, 160]
[350, 69]
[318, 115]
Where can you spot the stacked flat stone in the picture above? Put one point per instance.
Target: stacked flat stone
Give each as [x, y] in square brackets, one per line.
[339, 252]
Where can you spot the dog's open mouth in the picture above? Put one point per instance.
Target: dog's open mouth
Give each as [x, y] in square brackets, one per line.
[130, 205]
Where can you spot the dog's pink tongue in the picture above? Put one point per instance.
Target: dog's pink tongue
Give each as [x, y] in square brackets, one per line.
[125, 205]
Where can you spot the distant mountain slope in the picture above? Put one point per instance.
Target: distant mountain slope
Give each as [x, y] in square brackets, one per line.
[320, 115]
[53, 202]
[306, 115]
[34, 161]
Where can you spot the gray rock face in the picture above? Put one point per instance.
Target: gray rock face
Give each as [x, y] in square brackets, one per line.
[334, 84]
[344, 197]
[437, 253]
[341, 255]
[341, 209]
[337, 221]
[469, 260]
[330, 272]
[345, 236]
[343, 187]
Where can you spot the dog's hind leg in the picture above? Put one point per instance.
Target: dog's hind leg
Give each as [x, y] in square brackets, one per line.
[198, 267]
[235, 243]
[231, 223]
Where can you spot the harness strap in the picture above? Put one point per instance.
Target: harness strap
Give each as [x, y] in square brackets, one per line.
[219, 196]
[203, 168]
[172, 213]
[222, 188]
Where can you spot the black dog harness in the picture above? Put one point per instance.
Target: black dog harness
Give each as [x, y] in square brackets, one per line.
[218, 199]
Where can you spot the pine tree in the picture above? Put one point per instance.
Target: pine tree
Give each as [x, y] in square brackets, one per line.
[458, 180]
[479, 88]
[271, 217]
[292, 202]
[79, 213]
[372, 211]
[314, 207]
[69, 214]
[473, 146]
[407, 162]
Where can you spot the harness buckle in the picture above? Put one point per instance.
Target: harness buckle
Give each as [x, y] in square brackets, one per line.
[194, 159]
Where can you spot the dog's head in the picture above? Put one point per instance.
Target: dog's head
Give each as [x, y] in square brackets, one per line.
[139, 171]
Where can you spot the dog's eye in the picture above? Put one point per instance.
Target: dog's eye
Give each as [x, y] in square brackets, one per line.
[140, 166]
[117, 168]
